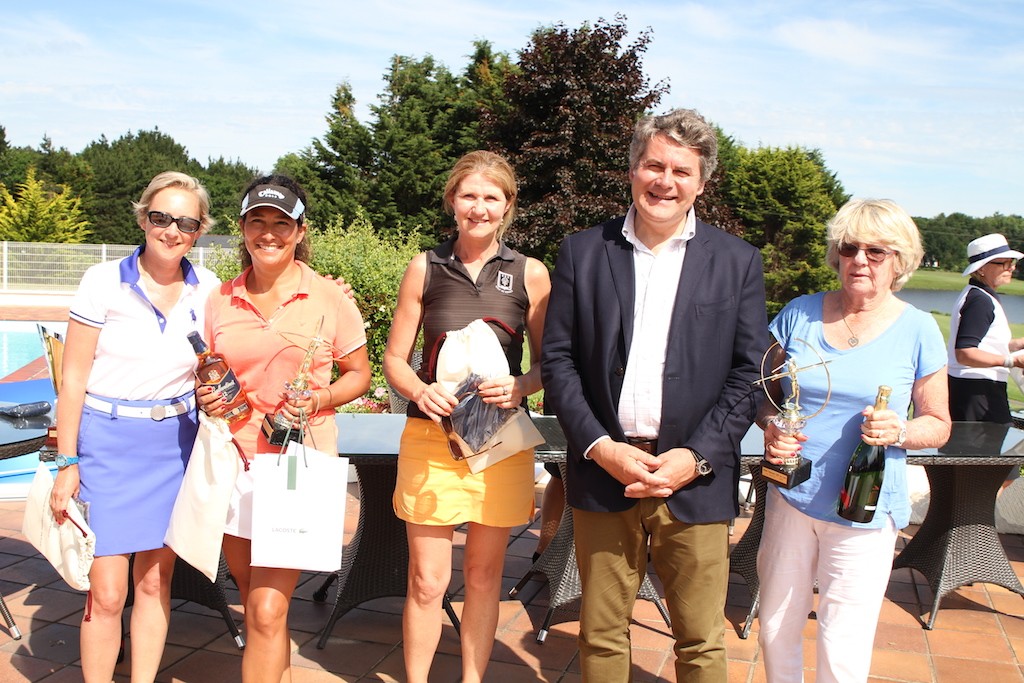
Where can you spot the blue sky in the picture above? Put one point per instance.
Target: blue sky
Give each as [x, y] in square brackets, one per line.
[920, 102]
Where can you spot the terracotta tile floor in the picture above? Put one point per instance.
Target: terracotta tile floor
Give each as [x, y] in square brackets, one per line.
[979, 635]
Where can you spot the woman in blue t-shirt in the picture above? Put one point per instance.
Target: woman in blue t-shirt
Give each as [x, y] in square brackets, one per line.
[870, 338]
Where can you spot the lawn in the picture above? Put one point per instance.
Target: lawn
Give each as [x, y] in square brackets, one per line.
[944, 280]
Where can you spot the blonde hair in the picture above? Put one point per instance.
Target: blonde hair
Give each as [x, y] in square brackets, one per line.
[493, 167]
[877, 221]
[183, 181]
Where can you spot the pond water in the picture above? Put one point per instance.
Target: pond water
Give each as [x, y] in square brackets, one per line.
[943, 302]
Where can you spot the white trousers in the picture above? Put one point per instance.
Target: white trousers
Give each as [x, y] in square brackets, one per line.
[852, 568]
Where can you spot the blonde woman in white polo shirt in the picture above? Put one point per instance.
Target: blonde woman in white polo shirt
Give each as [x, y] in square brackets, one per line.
[126, 418]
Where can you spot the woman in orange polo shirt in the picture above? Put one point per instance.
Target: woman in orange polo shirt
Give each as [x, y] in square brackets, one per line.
[261, 322]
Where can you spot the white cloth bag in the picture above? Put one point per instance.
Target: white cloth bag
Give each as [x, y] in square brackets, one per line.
[196, 529]
[69, 547]
[298, 509]
[475, 349]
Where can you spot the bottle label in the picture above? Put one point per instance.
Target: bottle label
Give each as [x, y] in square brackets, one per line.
[237, 411]
[227, 385]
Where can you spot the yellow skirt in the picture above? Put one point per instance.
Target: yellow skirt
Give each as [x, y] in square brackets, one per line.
[435, 490]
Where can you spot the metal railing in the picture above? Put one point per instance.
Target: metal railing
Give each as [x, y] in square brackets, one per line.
[43, 268]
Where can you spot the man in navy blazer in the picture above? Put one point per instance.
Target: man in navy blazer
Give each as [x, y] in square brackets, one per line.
[654, 336]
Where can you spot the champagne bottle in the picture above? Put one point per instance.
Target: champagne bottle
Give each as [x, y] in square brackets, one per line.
[213, 370]
[859, 496]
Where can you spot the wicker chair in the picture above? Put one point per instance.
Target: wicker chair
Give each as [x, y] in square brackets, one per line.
[398, 402]
[743, 559]
[558, 564]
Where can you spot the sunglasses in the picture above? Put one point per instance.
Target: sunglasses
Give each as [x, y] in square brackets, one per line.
[873, 254]
[454, 447]
[163, 220]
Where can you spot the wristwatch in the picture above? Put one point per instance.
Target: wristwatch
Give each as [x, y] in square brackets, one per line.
[703, 466]
[65, 460]
[902, 436]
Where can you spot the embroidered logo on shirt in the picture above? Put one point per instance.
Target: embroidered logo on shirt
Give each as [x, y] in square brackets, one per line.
[504, 283]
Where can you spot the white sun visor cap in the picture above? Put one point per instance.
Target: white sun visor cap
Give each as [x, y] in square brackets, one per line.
[278, 197]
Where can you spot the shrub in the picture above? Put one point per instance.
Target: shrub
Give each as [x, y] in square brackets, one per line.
[373, 264]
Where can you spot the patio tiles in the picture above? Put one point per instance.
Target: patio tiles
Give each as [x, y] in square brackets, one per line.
[979, 633]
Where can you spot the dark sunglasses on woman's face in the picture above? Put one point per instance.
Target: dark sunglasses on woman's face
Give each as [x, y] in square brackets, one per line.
[163, 220]
[874, 254]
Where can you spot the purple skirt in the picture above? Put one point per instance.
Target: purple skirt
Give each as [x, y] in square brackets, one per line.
[131, 469]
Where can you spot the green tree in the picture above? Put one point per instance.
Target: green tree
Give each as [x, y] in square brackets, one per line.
[38, 215]
[416, 139]
[122, 169]
[224, 180]
[571, 107]
[784, 197]
[334, 169]
[712, 205]
[15, 161]
[57, 166]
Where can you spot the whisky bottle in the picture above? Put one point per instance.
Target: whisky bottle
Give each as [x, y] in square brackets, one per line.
[859, 496]
[213, 371]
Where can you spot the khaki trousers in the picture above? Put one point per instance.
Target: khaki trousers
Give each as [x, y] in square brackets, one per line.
[692, 561]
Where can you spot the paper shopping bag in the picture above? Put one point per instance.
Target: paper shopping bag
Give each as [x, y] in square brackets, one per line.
[196, 528]
[517, 434]
[70, 546]
[298, 509]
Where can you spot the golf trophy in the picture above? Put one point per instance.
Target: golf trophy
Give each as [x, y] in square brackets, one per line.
[279, 428]
[790, 420]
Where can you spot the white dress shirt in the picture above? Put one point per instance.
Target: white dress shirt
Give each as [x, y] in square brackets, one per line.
[656, 281]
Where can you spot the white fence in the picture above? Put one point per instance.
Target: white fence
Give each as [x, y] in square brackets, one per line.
[41, 268]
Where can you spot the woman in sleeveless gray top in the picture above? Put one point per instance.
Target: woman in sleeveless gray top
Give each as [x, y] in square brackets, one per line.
[473, 275]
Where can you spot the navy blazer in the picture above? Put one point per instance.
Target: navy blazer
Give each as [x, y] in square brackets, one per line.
[717, 338]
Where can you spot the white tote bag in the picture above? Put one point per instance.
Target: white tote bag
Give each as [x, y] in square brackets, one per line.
[298, 509]
[196, 529]
[69, 547]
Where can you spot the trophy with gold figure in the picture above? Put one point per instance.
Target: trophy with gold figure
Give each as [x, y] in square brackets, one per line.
[279, 428]
[790, 419]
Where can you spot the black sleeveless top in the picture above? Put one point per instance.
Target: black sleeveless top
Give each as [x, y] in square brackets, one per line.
[451, 300]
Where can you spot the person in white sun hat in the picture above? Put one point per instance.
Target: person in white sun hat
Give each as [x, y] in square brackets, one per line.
[981, 349]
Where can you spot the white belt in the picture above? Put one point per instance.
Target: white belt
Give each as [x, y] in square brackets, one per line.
[158, 412]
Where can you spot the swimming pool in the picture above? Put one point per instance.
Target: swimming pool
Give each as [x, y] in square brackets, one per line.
[20, 344]
[18, 349]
